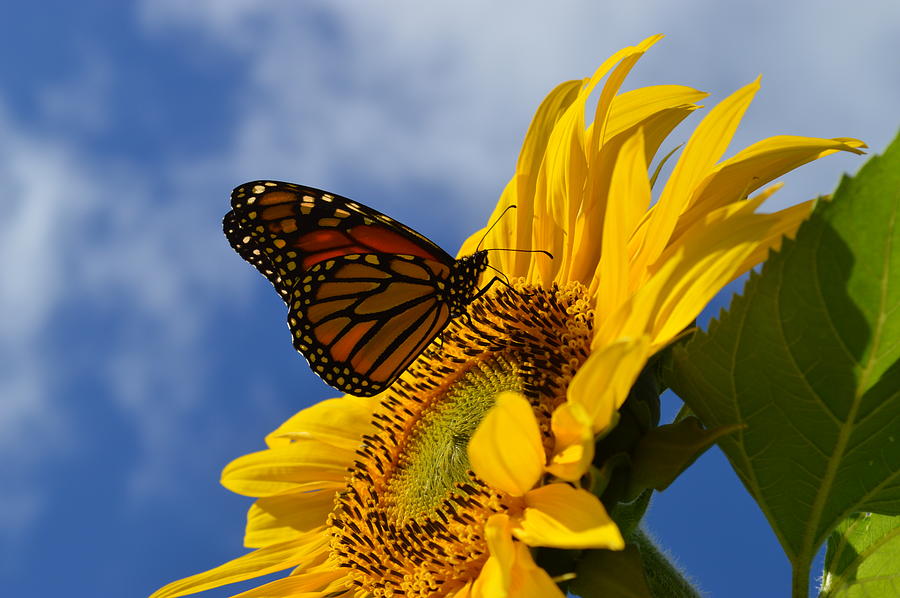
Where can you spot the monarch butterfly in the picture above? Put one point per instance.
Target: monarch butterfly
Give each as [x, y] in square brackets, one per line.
[366, 294]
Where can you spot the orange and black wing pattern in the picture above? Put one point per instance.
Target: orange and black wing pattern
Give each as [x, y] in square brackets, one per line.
[366, 293]
[360, 320]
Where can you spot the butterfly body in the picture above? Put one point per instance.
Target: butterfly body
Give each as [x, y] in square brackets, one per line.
[366, 294]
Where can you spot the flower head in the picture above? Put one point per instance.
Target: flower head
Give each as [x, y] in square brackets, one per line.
[441, 485]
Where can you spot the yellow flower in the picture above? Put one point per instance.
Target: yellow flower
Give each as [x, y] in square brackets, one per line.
[441, 485]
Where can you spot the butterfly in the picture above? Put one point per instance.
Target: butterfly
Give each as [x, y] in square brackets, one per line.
[366, 294]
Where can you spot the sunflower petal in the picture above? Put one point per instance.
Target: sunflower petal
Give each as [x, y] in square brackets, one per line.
[608, 94]
[531, 581]
[784, 226]
[704, 148]
[560, 180]
[255, 564]
[574, 442]
[339, 422]
[275, 519]
[304, 585]
[560, 516]
[632, 108]
[602, 383]
[762, 162]
[300, 466]
[593, 217]
[496, 576]
[510, 571]
[506, 449]
[524, 181]
[630, 194]
[516, 232]
[703, 262]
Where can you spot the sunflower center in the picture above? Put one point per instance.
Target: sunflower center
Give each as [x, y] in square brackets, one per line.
[410, 520]
[436, 458]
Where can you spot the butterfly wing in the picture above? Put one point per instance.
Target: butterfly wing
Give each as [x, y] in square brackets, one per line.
[360, 320]
[284, 229]
[365, 292]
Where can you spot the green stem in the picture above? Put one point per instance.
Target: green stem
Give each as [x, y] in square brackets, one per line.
[800, 580]
[663, 577]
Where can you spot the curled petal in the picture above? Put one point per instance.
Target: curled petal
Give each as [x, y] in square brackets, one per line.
[574, 442]
[560, 516]
[602, 384]
[506, 449]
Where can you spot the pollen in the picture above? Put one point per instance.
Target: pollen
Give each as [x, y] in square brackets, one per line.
[410, 521]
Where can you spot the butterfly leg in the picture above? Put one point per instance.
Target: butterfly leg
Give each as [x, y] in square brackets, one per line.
[486, 287]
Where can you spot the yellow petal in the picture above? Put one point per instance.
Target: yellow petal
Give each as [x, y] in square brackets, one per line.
[506, 449]
[633, 107]
[573, 442]
[565, 172]
[559, 186]
[784, 225]
[305, 585]
[707, 144]
[592, 219]
[339, 422]
[560, 181]
[515, 230]
[297, 467]
[496, 574]
[529, 580]
[608, 94]
[602, 383]
[527, 167]
[560, 516]
[281, 518]
[629, 198]
[510, 571]
[756, 166]
[591, 201]
[705, 259]
[256, 564]
[719, 217]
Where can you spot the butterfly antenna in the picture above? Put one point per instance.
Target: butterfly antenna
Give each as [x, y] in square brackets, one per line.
[545, 252]
[505, 210]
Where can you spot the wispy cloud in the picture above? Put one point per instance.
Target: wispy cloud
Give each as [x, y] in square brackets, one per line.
[444, 91]
[79, 102]
[107, 283]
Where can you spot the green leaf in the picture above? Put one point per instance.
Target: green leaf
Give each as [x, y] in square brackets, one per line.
[808, 359]
[664, 452]
[863, 558]
[607, 573]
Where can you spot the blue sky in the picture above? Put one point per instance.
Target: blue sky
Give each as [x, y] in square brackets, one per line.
[139, 354]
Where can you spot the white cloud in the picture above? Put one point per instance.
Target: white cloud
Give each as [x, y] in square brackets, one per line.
[38, 183]
[443, 91]
[84, 241]
[80, 100]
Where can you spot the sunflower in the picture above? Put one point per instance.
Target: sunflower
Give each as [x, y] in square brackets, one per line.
[444, 484]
